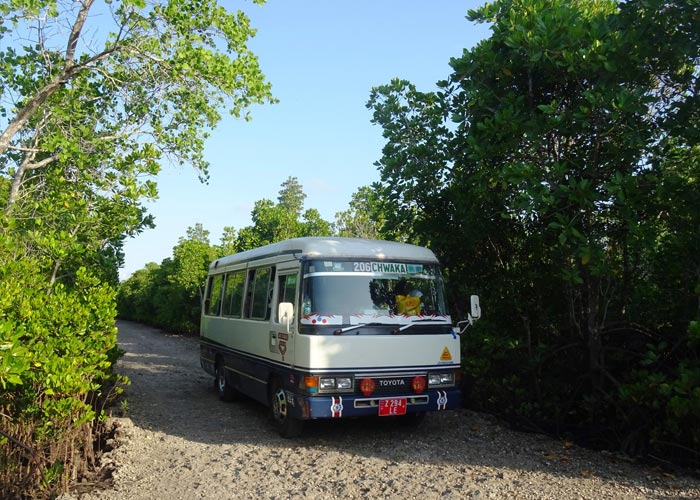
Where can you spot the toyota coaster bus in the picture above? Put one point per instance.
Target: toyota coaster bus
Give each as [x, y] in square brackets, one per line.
[332, 328]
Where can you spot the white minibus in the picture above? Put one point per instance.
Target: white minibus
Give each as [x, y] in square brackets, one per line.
[332, 328]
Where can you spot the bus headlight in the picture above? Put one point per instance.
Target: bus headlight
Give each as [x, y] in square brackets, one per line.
[344, 383]
[337, 384]
[441, 379]
[326, 383]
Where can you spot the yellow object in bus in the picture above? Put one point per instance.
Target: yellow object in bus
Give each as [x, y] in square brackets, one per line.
[408, 304]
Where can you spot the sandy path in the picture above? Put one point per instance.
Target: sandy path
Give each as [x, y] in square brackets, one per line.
[178, 441]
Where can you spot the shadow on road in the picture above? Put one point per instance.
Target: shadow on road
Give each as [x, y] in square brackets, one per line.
[171, 394]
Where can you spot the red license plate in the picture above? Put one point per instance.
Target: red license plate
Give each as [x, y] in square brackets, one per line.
[390, 407]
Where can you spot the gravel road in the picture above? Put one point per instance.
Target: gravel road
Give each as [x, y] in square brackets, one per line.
[178, 441]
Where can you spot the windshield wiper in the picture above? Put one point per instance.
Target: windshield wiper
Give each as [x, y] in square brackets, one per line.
[414, 323]
[341, 331]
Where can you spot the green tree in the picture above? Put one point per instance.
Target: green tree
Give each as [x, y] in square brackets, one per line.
[269, 222]
[544, 171]
[285, 215]
[364, 218]
[191, 257]
[89, 118]
[227, 243]
[135, 294]
[169, 295]
[91, 106]
[314, 225]
[291, 197]
[276, 222]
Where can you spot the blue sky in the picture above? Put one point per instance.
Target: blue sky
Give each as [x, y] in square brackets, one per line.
[322, 58]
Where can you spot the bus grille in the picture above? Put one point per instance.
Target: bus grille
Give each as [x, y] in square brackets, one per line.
[387, 386]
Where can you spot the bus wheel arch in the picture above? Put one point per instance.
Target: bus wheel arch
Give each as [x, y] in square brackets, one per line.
[222, 383]
[287, 425]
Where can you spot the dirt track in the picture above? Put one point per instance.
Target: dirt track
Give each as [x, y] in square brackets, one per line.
[178, 441]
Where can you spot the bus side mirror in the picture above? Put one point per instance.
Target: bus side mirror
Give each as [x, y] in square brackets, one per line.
[285, 313]
[473, 315]
[476, 308]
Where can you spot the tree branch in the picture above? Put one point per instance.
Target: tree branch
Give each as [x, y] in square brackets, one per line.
[42, 163]
[69, 71]
[75, 33]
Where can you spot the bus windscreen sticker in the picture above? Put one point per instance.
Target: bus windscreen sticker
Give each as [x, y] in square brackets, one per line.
[387, 268]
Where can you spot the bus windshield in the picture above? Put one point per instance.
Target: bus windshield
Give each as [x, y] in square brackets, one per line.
[337, 293]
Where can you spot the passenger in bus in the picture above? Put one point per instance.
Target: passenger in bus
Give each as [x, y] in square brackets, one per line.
[407, 302]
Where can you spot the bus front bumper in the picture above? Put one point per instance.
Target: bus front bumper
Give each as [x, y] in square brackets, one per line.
[341, 406]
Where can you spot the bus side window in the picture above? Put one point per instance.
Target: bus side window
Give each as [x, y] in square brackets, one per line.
[286, 291]
[212, 303]
[250, 287]
[260, 297]
[233, 294]
[270, 292]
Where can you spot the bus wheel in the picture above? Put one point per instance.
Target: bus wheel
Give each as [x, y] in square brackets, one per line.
[222, 385]
[286, 425]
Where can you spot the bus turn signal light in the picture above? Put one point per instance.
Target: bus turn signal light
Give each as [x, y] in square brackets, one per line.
[311, 383]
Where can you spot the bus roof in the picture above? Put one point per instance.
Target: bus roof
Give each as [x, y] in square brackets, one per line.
[343, 248]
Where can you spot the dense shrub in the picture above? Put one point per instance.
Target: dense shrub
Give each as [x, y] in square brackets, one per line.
[57, 346]
[556, 172]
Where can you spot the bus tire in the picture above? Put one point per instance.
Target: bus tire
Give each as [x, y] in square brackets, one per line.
[222, 383]
[286, 425]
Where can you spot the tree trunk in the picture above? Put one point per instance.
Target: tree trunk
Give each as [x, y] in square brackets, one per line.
[593, 331]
